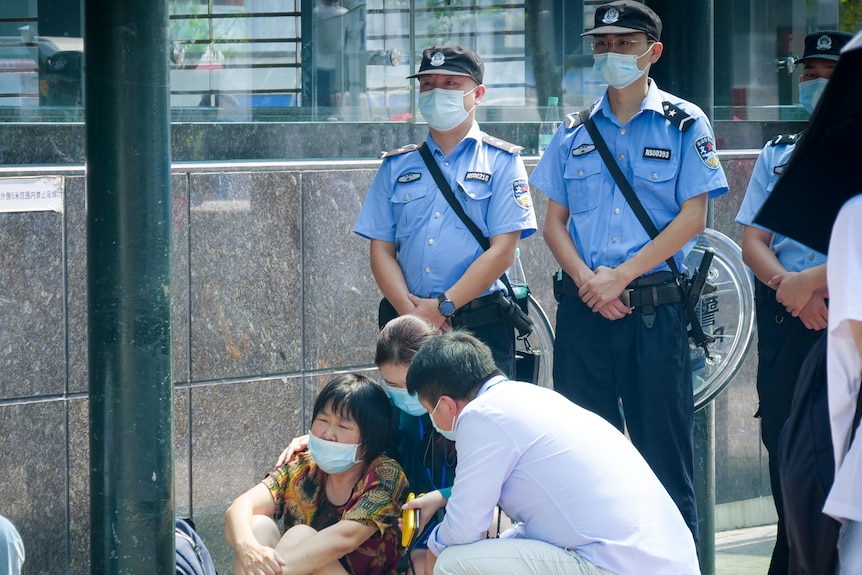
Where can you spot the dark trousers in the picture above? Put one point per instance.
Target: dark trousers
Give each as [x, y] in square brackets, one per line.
[783, 344]
[638, 378]
[490, 328]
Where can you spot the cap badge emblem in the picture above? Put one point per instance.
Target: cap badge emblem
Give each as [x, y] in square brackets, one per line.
[824, 42]
[437, 59]
[611, 16]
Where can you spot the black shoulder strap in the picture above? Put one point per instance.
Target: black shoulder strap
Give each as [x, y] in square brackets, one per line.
[623, 183]
[440, 179]
[700, 338]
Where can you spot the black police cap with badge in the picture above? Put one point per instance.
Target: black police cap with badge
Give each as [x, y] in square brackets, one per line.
[826, 45]
[451, 61]
[625, 17]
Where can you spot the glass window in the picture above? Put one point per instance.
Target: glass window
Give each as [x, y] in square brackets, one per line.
[346, 60]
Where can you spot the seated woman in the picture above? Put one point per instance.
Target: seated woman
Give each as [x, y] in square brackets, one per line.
[339, 501]
[427, 457]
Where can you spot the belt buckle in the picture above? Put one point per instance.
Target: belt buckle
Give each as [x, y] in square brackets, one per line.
[626, 297]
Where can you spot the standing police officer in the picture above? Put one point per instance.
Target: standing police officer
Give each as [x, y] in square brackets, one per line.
[423, 257]
[790, 286]
[630, 365]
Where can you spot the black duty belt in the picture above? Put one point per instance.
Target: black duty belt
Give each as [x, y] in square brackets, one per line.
[652, 295]
[481, 311]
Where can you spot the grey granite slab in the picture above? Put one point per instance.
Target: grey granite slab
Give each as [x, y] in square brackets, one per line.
[245, 280]
[34, 485]
[32, 310]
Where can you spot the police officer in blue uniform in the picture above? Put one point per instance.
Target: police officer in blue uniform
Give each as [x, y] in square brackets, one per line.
[630, 363]
[423, 257]
[790, 286]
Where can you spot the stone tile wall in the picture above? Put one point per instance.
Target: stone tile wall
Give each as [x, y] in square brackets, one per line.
[271, 294]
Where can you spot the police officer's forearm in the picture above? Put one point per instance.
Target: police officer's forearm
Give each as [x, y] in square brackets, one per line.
[758, 255]
[556, 235]
[389, 277]
[689, 222]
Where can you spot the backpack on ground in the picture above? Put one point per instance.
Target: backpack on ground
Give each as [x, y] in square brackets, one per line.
[193, 557]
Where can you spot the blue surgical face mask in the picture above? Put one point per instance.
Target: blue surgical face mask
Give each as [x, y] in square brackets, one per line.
[810, 92]
[404, 401]
[450, 434]
[618, 70]
[331, 456]
[444, 109]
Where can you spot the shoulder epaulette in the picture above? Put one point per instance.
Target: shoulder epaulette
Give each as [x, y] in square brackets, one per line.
[677, 116]
[784, 139]
[572, 120]
[398, 151]
[502, 144]
[575, 119]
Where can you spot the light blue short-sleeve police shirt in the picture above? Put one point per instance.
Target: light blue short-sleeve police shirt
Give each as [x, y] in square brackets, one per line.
[665, 165]
[433, 246]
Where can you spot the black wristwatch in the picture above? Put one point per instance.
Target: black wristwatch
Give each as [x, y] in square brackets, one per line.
[445, 305]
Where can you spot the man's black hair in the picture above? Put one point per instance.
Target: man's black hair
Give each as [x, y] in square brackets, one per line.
[454, 364]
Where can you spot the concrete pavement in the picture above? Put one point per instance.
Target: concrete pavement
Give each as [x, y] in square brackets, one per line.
[744, 551]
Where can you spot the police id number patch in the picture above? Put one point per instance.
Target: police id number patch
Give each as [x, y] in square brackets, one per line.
[705, 147]
[521, 191]
[657, 153]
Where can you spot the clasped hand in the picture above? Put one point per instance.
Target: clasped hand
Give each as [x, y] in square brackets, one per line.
[601, 293]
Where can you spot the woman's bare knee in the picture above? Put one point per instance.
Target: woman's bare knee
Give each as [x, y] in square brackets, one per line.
[295, 535]
[265, 530]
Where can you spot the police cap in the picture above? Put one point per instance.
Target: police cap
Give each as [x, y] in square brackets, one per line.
[625, 17]
[826, 44]
[451, 61]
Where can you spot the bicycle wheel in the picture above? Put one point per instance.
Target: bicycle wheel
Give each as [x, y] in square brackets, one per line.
[541, 341]
[727, 314]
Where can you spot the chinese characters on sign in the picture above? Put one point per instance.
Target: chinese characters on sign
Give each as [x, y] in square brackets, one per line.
[41, 194]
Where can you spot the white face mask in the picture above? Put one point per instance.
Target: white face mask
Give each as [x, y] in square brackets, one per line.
[619, 70]
[810, 92]
[447, 433]
[444, 109]
[331, 456]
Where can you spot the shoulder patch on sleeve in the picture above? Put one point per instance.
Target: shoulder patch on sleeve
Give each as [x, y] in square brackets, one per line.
[502, 144]
[677, 116]
[399, 151]
[521, 193]
[784, 139]
[705, 147]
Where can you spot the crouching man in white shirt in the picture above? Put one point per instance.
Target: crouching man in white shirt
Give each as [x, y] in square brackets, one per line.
[583, 499]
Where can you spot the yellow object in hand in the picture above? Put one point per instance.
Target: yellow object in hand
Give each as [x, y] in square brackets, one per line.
[410, 522]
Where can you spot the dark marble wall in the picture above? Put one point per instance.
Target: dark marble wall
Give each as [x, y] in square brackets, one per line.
[271, 293]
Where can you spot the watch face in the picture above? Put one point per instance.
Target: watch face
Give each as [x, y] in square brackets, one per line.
[446, 307]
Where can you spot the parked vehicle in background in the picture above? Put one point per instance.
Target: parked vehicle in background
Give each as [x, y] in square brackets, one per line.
[61, 78]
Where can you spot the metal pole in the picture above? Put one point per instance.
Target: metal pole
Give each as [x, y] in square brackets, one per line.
[128, 261]
[686, 69]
